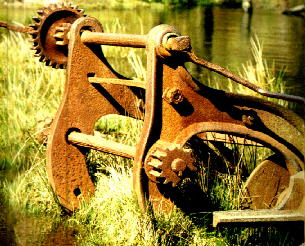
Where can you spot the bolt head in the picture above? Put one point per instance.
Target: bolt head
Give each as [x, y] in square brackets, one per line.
[173, 96]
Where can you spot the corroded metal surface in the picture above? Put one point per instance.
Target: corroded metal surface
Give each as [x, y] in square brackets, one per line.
[82, 105]
[265, 184]
[176, 108]
[45, 33]
[166, 163]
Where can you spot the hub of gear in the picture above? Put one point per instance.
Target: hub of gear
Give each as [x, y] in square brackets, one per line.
[166, 163]
[49, 33]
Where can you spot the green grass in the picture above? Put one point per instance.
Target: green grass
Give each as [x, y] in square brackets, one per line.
[259, 72]
[31, 92]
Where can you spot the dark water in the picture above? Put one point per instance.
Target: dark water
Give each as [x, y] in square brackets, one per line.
[219, 35]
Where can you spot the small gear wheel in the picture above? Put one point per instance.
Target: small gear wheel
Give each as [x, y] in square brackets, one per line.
[45, 33]
[166, 163]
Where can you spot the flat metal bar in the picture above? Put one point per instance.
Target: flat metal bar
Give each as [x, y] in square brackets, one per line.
[16, 28]
[127, 82]
[124, 40]
[252, 216]
[242, 81]
[101, 144]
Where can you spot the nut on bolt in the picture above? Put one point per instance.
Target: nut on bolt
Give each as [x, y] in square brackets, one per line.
[173, 95]
[173, 42]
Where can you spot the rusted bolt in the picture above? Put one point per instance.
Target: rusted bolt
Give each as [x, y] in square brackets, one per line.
[140, 105]
[173, 42]
[247, 120]
[173, 95]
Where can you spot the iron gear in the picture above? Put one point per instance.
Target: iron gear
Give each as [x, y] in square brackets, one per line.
[49, 21]
[166, 162]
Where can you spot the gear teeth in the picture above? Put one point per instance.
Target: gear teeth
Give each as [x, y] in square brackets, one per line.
[34, 26]
[60, 28]
[38, 53]
[39, 30]
[34, 35]
[155, 163]
[59, 35]
[159, 154]
[155, 173]
[40, 12]
[61, 43]
[35, 39]
[47, 62]
[36, 18]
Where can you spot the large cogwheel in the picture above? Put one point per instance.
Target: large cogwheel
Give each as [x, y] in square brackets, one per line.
[167, 162]
[45, 33]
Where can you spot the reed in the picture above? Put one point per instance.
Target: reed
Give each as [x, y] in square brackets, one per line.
[259, 72]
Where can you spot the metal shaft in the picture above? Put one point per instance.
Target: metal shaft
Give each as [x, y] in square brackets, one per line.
[124, 40]
[15, 28]
[101, 144]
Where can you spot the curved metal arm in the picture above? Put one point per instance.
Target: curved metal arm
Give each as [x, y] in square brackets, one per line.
[215, 68]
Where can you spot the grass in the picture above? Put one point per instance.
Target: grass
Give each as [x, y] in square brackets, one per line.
[30, 92]
[26, 98]
[262, 74]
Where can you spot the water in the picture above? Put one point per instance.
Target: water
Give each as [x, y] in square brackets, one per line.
[219, 35]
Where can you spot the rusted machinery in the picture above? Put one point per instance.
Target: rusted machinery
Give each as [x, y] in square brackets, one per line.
[178, 110]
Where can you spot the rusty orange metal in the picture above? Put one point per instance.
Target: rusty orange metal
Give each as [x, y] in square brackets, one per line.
[177, 109]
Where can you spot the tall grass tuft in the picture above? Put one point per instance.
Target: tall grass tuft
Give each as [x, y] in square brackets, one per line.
[261, 73]
[29, 92]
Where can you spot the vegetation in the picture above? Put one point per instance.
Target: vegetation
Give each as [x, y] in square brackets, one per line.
[262, 74]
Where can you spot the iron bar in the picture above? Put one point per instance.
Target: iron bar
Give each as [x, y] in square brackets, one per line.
[101, 144]
[123, 40]
[261, 215]
[127, 82]
[15, 28]
[220, 70]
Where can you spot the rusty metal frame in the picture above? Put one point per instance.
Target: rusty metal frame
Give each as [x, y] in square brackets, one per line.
[177, 107]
